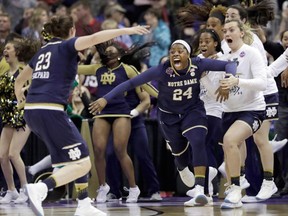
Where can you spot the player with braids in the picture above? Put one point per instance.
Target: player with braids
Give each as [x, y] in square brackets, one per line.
[15, 132]
[53, 70]
[115, 117]
[138, 101]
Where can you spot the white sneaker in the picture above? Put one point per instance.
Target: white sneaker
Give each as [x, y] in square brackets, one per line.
[9, 196]
[268, 188]
[199, 199]
[222, 170]
[187, 177]
[226, 205]
[22, 197]
[212, 174]
[193, 202]
[133, 195]
[234, 194]
[156, 197]
[244, 182]
[277, 145]
[85, 208]
[249, 199]
[102, 193]
[37, 193]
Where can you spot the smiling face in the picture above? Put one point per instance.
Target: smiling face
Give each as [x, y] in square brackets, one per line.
[207, 44]
[178, 56]
[233, 35]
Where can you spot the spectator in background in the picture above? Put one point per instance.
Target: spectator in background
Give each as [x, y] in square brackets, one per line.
[35, 24]
[5, 26]
[86, 23]
[24, 21]
[160, 34]
[117, 13]
[124, 41]
[60, 10]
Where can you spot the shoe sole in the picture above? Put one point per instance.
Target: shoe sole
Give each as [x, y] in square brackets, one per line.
[201, 200]
[32, 202]
[230, 207]
[227, 205]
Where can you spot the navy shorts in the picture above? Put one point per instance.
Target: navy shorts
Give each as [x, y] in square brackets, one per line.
[253, 118]
[174, 127]
[59, 133]
[272, 102]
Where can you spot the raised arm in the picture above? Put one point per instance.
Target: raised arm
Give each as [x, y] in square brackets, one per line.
[85, 42]
[279, 65]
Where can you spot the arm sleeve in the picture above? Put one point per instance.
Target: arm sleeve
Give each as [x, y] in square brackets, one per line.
[88, 69]
[279, 65]
[259, 71]
[218, 65]
[151, 74]
[132, 72]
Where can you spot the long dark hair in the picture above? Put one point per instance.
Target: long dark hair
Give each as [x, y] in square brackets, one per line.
[131, 56]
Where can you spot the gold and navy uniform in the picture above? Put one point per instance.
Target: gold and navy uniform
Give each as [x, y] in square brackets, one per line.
[54, 70]
[107, 80]
[8, 103]
[181, 115]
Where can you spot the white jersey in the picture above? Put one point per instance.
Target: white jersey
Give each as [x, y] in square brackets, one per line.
[279, 65]
[271, 84]
[212, 107]
[224, 46]
[257, 43]
[252, 74]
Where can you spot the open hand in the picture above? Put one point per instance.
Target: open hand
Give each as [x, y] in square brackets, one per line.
[97, 106]
[222, 94]
[140, 30]
[229, 81]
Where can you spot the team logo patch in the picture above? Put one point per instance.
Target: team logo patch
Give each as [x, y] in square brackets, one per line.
[74, 154]
[169, 71]
[271, 112]
[192, 71]
[255, 125]
[242, 54]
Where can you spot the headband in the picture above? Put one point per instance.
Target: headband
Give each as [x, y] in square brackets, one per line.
[184, 43]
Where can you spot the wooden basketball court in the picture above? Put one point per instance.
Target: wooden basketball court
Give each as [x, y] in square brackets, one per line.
[172, 206]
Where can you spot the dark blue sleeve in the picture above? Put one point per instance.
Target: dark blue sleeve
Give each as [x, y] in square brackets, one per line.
[69, 45]
[217, 65]
[152, 73]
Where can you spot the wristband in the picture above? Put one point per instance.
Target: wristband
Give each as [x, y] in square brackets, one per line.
[134, 113]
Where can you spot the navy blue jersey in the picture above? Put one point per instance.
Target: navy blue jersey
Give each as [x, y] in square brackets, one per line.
[178, 90]
[54, 70]
[132, 98]
[107, 80]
